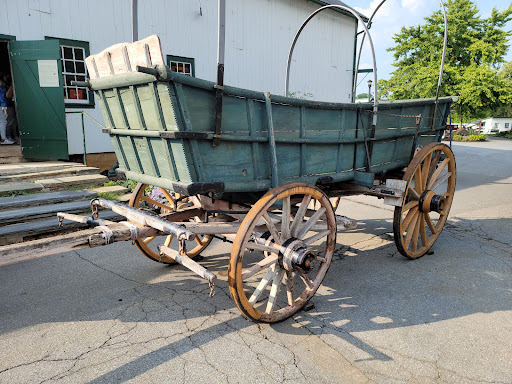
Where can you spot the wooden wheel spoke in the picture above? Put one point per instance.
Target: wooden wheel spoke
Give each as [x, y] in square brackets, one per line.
[168, 196]
[262, 248]
[168, 240]
[271, 273]
[418, 181]
[149, 239]
[285, 224]
[274, 291]
[415, 234]
[423, 231]
[415, 195]
[272, 228]
[308, 224]
[261, 265]
[441, 180]
[425, 169]
[305, 279]
[410, 231]
[409, 205]
[198, 240]
[157, 203]
[409, 217]
[433, 165]
[300, 214]
[316, 237]
[336, 204]
[289, 287]
[437, 172]
[430, 224]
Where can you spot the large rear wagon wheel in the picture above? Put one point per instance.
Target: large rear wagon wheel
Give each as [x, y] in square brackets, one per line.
[142, 199]
[428, 197]
[282, 252]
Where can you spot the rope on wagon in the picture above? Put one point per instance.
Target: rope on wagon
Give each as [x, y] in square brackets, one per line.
[107, 233]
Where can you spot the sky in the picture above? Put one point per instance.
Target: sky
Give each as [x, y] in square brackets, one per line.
[395, 14]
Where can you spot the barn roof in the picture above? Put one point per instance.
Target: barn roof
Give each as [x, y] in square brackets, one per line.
[337, 2]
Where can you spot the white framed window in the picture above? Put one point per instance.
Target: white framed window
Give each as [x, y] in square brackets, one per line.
[507, 125]
[73, 69]
[185, 65]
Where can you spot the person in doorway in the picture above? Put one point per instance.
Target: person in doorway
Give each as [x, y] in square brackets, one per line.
[3, 121]
[9, 110]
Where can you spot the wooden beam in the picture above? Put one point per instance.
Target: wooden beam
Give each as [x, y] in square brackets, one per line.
[36, 249]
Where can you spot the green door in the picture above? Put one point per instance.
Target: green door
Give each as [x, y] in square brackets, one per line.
[37, 75]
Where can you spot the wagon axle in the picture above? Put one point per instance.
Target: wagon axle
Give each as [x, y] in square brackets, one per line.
[297, 256]
[430, 202]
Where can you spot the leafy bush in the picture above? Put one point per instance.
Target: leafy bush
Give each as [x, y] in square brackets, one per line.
[476, 138]
[457, 138]
[506, 134]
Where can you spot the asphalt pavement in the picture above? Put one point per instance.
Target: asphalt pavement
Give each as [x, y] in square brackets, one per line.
[110, 315]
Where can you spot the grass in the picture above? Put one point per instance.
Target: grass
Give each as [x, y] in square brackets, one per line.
[17, 193]
[124, 183]
[109, 195]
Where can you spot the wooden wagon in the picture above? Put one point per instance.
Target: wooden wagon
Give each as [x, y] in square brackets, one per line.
[268, 180]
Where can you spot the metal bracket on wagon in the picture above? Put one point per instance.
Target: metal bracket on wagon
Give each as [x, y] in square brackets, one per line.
[144, 218]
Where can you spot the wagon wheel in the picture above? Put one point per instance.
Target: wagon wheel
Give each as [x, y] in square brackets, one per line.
[148, 246]
[428, 197]
[281, 225]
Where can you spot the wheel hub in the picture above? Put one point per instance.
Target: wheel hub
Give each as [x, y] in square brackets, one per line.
[429, 202]
[297, 256]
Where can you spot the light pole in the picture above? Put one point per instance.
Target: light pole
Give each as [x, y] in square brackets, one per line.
[370, 90]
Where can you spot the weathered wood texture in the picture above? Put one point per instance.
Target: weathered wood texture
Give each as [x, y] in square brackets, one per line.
[35, 249]
[15, 233]
[31, 213]
[162, 132]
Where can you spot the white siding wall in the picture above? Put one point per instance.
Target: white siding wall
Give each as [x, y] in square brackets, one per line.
[258, 37]
[501, 121]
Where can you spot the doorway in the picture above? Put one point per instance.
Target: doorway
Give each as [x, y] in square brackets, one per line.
[5, 69]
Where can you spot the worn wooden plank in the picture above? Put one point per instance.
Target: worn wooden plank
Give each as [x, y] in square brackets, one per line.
[24, 214]
[45, 198]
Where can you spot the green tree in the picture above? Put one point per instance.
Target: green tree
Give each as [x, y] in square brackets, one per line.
[505, 109]
[475, 51]
[362, 96]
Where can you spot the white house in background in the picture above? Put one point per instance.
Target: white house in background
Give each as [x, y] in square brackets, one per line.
[45, 43]
[493, 124]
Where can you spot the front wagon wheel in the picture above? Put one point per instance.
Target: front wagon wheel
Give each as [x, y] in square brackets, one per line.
[162, 202]
[428, 197]
[282, 252]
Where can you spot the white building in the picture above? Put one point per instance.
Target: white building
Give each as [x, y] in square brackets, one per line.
[494, 124]
[46, 41]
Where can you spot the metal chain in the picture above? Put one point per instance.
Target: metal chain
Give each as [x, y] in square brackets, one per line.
[94, 209]
[183, 247]
[212, 289]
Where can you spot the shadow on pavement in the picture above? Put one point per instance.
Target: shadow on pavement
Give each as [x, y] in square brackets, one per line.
[369, 287]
